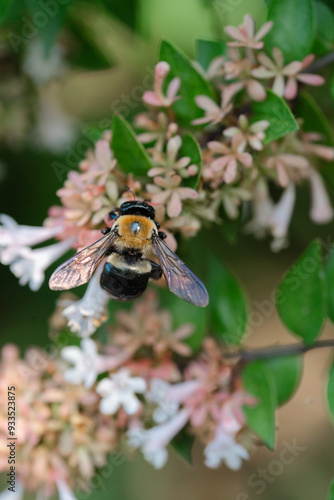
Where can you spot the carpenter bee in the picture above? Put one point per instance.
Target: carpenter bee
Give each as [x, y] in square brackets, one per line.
[127, 247]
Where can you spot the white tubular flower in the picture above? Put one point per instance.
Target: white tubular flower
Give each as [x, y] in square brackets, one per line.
[281, 216]
[119, 390]
[13, 237]
[158, 394]
[224, 448]
[321, 209]
[64, 491]
[153, 442]
[85, 361]
[29, 265]
[86, 315]
[41, 68]
[262, 211]
[137, 438]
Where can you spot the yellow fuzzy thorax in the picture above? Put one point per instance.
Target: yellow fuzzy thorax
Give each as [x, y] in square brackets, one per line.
[135, 232]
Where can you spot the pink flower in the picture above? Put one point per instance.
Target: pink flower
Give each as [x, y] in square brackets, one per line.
[288, 166]
[253, 134]
[241, 69]
[213, 113]
[245, 35]
[321, 151]
[172, 194]
[157, 98]
[169, 162]
[227, 163]
[291, 88]
[274, 68]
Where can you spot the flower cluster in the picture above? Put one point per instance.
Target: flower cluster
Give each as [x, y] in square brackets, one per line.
[125, 394]
[144, 385]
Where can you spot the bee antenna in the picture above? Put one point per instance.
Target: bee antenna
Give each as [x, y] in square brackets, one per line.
[133, 194]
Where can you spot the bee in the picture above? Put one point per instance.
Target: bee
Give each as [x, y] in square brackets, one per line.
[127, 248]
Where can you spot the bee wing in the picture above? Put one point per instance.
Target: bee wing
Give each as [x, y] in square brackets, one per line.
[180, 279]
[79, 269]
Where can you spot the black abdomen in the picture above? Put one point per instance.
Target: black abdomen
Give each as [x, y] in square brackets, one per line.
[123, 284]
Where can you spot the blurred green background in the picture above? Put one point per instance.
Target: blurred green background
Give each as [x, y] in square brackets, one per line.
[119, 41]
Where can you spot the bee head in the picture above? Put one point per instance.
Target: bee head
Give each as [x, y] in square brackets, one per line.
[137, 208]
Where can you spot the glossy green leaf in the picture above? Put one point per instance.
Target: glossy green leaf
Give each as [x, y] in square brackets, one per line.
[191, 148]
[294, 28]
[183, 444]
[277, 112]
[51, 16]
[228, 307]
[324, 37]
[302, 295]
[259, 381]
[192, 83]
[314, 119]
[330, 391]
[207, 50]
[4, 10]
[329, 272]
[85, 52]
[287, 372]
[331, 491]
[130, 154]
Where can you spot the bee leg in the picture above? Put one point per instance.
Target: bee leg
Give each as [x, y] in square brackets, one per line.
[162, 235]
[105, 230]
[156, 271]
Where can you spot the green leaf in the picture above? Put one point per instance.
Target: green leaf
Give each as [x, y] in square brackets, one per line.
[258, 380]
[130, 154]
[324, 37]
[287, 371]
[330, 391]
[277, 112]
[4, 10]
[207, 50]
[294, 28]
[228, 306]
[314, 119]
[331, 491]
[302, 296]
[191, 148]
[85, 50]
[54, 15]
[329, 272]
[183, 444]
[192, 83]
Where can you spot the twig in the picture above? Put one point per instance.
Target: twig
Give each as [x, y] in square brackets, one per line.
[274, 352]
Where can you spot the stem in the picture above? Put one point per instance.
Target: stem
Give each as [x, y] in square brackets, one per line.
[273, 352]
